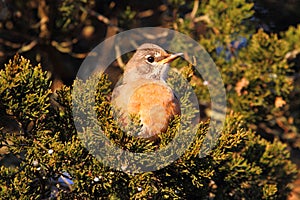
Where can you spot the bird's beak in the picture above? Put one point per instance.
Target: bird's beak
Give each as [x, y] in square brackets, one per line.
[170, 58]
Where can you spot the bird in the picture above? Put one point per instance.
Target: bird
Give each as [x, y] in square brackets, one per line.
[144, 92]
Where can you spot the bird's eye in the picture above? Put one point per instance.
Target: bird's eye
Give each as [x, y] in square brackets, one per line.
[150, 59]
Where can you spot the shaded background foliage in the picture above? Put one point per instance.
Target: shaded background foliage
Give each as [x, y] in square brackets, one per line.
[260, 67]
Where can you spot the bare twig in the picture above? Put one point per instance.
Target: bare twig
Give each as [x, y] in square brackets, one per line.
[10, 44]
[204, 18]
[292, 54]
[157, 36]
[61, 48]
[195, 9]
[28, 47]
[100, 17]
[134, 44]
[162, 8]
[44, 19]
[118, 55]
[66, 47]
[146, 13]
[79, 55]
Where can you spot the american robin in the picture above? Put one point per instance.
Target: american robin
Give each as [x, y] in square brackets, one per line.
[144, 91]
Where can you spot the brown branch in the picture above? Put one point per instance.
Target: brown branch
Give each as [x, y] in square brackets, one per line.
[119, 58]
[204, 18]
[10, 44]
[292, 54]
[44, 19]
[61, 48]
[93, 13]
[195, 9]
[146, 13]
[156, 36]
[79, 55]
[28, 47]
[100, 17]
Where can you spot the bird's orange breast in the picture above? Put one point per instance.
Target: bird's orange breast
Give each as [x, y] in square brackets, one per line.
[156, 105]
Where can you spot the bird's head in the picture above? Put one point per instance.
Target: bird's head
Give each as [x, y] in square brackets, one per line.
[149, 62]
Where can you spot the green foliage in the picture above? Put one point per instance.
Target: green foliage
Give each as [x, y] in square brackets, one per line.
[291, 116]
[50, 150]
[292, 35]
[127, 18]
[225, 21]
[255, 160]
[241, 165]
[258, 77]
[254, 66]
[71, 13]
[24, 91]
